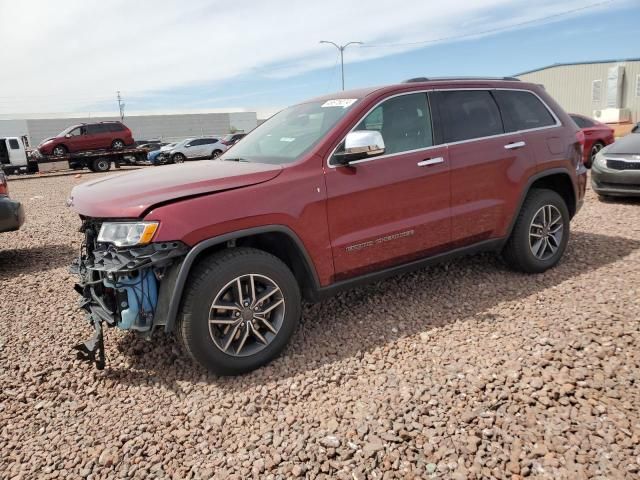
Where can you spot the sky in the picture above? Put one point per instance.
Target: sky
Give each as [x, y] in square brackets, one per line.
[168, 56]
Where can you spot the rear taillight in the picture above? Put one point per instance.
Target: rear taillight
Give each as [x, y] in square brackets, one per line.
[581, 140]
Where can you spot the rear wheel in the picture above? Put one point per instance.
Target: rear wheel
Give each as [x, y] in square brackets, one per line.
[117, 144]
[179, 158]
[101, 165]
[59, 150]
[216, 153]
[595, 149]
[240, 309]
[540, 234]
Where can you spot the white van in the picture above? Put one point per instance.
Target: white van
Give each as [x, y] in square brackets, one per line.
[13, 156]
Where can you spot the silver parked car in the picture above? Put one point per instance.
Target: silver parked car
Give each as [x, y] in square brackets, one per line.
[196, 149]
[616, 168]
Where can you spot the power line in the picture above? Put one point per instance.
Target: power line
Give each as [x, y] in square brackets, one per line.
[492, 30]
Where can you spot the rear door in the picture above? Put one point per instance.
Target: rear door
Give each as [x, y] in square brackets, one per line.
[93, 138]
[487, 164]
[523, 111]
[394, 208]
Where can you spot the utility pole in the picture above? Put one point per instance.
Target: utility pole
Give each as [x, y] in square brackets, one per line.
[341, 48]
[121, 107]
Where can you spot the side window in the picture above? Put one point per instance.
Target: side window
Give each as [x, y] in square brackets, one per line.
[13, 143]
[94, 129]
[469, 114]
[115, 127]
[76, 132]
[403, 121]
[522, 110]
[195, 143]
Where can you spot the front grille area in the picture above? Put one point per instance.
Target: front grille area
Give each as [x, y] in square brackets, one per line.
[622, 165]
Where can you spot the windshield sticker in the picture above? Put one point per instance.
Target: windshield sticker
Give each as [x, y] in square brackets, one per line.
[287, 139]
[339, 102]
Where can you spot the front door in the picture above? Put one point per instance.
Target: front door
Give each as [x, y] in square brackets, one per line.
[393, 208]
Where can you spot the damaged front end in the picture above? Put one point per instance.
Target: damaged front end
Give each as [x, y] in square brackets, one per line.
[122, 286]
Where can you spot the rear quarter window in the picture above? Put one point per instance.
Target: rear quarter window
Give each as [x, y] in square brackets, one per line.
[13, 143]
[522, 110]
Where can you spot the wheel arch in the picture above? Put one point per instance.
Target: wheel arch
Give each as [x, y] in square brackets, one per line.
[278, 240]
[556, 179]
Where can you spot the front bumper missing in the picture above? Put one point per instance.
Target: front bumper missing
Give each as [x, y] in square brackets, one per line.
[119, 288]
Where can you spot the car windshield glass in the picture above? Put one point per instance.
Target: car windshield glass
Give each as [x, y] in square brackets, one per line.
[290, 133]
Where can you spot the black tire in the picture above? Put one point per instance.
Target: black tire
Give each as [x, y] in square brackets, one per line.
[216, 153]
[518, 252]
[117, 144]
[59, 150]
[101, 165]
[211, 276]
[594, 151]
[178, 158]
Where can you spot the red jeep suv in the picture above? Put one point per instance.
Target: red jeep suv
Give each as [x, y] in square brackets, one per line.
[335, 191]
[87, 136]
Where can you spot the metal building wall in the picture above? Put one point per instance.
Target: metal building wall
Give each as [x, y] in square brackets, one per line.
[571, 85]
[146, 127]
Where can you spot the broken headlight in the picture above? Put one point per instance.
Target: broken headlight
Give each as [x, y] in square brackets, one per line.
[127, 234]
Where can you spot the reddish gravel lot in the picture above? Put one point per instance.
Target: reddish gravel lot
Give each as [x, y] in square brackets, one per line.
[464, 370]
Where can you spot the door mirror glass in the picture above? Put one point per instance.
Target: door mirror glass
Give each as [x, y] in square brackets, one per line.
[360, 144]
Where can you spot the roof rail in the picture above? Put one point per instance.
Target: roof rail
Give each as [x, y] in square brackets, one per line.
[446, 79]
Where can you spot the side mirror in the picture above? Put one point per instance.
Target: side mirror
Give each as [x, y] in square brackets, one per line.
[68, 135]
[187, 145]
[359, 145]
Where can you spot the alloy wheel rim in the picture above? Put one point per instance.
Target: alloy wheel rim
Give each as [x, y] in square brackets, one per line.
[594, 151]
[246, 315]
[546, 232]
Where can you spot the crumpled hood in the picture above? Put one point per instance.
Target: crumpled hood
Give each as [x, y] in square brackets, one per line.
[129, 195]
[627, 144]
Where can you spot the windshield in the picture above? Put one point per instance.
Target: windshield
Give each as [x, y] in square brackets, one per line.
[290, 133]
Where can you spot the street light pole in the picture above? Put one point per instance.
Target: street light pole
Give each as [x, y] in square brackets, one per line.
[341, 48]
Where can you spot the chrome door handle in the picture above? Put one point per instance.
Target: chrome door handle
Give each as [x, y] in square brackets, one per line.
[431, 161]
[511, 146]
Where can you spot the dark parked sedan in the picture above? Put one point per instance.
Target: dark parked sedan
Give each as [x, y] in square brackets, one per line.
[11, 211]
[616, 168]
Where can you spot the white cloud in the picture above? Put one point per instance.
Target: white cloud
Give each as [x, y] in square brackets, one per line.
[65, 55]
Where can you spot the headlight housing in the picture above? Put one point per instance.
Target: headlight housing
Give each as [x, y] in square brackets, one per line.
[127, 234]
[600, 159]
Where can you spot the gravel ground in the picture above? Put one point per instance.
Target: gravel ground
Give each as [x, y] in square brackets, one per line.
[464, 370]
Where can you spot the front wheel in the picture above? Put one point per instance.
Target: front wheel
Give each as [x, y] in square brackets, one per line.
[179, 158]
[540, 235]
[240, 309]
[59, 151]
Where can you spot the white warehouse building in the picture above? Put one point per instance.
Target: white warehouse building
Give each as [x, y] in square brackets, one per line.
[144, 127]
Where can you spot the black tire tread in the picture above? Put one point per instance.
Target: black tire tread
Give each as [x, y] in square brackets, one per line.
[514, 252]
[199, 274]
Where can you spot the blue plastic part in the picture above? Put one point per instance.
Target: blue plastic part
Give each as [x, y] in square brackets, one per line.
[142, 298]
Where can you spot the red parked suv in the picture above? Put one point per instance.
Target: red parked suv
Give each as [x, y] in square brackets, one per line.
[339, 190]
[87, 136]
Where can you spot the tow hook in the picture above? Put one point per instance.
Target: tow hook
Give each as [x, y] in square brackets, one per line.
[92, 350]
